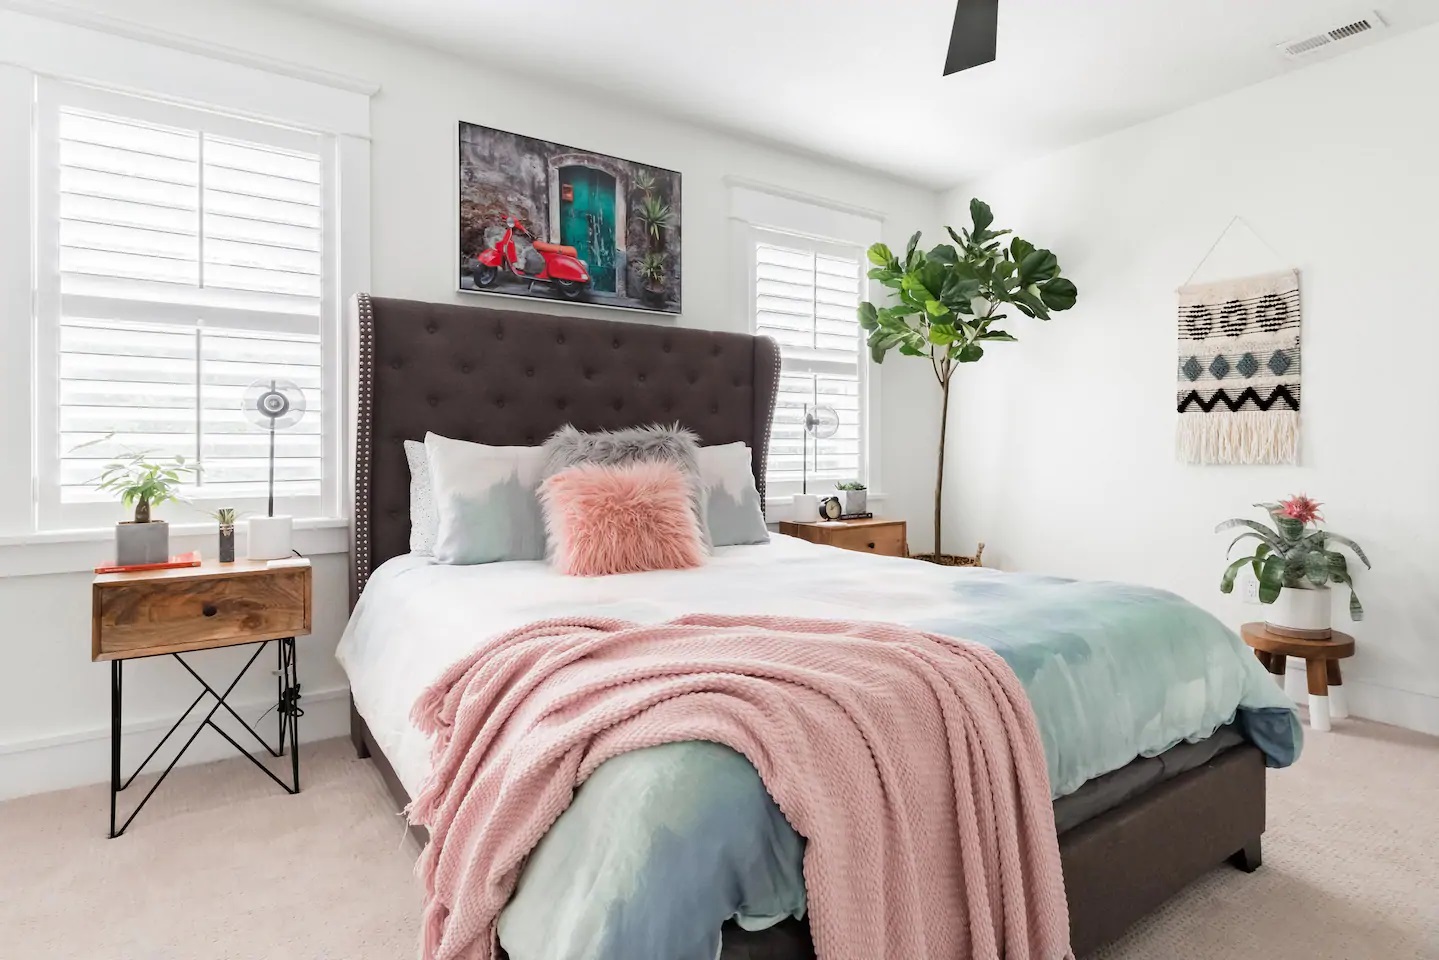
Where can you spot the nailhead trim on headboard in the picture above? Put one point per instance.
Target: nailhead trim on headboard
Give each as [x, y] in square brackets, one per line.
[364, 443]
[769, 425]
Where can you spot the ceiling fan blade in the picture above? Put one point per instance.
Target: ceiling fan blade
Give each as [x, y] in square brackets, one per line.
[975, 35]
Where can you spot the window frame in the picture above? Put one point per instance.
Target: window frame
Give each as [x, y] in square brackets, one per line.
[756, 235]
[48, 513]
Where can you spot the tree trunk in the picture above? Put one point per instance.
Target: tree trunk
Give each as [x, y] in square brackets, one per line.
[142, 511]
[939, 472]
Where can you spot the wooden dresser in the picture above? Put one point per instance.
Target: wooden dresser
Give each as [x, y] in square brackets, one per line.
[885, 537]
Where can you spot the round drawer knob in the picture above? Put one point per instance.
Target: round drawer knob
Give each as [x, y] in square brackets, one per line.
[871, 544]
[209, 609]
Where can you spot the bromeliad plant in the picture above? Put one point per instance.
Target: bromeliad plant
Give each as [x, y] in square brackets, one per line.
[949, 301]
[1294, 554]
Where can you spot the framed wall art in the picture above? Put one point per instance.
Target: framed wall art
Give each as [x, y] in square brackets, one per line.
[548, 221]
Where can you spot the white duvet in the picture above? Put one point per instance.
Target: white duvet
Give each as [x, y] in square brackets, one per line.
[416, 617]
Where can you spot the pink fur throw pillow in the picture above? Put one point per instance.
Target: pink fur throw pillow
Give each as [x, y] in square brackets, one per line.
[621, 518]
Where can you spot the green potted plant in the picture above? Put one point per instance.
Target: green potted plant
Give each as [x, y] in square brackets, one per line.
[1294, 564]
[651, 269]
[948, 305]
[854, 496]
[655, 216]
[143, 484]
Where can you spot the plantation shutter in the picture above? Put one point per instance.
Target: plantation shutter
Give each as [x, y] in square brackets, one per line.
[805, 297]
[188, 262]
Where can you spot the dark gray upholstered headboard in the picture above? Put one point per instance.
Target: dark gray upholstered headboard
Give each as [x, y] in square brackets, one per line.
[508, 378]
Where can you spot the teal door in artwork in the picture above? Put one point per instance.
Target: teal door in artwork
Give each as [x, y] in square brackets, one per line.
[587, 221]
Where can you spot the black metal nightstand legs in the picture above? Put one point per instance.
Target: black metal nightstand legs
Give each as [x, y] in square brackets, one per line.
[287, 706]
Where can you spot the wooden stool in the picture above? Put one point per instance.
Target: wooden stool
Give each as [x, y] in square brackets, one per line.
[1321, 661]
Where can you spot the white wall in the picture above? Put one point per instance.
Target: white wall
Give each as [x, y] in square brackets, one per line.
[1063, 451]
[53, 701]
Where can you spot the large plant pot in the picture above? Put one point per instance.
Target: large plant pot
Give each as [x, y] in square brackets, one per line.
[952, 560]
[1299, 613]
[137, 543]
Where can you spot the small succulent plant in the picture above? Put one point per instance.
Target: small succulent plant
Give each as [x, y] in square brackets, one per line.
[1293, 554]
[850, 485]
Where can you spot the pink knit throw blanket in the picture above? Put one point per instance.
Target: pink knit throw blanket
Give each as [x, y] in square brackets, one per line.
[910, 762]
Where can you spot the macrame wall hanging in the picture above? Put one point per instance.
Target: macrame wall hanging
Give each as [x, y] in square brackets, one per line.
[1239, 369]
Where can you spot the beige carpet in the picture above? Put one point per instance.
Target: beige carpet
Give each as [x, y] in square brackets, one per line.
[222, 865]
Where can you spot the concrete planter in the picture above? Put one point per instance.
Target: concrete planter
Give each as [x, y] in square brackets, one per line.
[137, 543]
[854, 501]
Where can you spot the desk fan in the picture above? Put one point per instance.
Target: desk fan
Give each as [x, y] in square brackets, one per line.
[272, 404]
[820, 422]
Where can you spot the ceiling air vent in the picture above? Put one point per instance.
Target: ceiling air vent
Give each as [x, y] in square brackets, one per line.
[1305, 46]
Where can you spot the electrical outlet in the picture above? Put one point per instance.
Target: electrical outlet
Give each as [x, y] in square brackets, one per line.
[1251, 590]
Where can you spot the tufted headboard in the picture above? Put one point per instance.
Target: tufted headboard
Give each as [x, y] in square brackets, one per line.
[510, 378]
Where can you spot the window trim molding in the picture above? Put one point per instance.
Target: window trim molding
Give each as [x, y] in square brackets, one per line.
[868, 374]
[47, 41]
[80, 551]
[755, 207]
[54, 40]
[50, 512]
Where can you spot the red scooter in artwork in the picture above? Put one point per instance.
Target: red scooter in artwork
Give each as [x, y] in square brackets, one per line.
[558, 265]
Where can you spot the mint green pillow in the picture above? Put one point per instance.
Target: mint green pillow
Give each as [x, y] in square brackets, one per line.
[485, 501]
[733, 512]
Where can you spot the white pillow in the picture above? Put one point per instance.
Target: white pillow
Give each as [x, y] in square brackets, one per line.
[485, 501]
[733, 513]
[424, 521]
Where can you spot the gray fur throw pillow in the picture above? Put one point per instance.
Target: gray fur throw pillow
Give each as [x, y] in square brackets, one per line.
[674, 444]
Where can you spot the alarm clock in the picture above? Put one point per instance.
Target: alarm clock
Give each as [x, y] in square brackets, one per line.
[830, 508]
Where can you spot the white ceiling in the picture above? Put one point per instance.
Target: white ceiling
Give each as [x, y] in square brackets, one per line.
[859, 80]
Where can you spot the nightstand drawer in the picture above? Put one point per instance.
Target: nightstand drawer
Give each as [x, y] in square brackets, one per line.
[142, 617]
[887, 540]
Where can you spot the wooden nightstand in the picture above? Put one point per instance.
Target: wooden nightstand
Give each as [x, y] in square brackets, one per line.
[170, 612]
[885, 537]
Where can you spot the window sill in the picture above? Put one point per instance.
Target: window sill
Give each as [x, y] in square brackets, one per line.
[76, 551]
[777, 509]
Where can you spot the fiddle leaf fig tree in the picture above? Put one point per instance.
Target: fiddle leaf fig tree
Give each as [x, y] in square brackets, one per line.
[948, 304]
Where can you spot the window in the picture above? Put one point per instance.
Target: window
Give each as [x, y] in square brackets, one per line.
[182, 255]
[805, 296]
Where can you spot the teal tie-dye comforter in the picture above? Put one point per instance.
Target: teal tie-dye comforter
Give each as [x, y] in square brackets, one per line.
[663, 845]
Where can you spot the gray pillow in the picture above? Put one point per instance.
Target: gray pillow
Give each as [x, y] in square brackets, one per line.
[424, 521]
[569, 447]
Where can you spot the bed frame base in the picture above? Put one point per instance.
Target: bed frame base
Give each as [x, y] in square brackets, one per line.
[1119, 866]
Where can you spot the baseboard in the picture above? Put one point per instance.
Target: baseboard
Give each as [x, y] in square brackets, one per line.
[83, 756]
[1378, 701]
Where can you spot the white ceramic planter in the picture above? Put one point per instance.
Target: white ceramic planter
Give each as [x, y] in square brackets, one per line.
[269, 538]
[806, 508]
[1301, 613]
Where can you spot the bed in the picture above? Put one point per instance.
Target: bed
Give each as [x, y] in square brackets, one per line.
[1130, 836]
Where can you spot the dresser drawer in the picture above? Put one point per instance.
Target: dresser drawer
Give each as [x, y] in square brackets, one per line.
[147, 616]
[886, 540]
